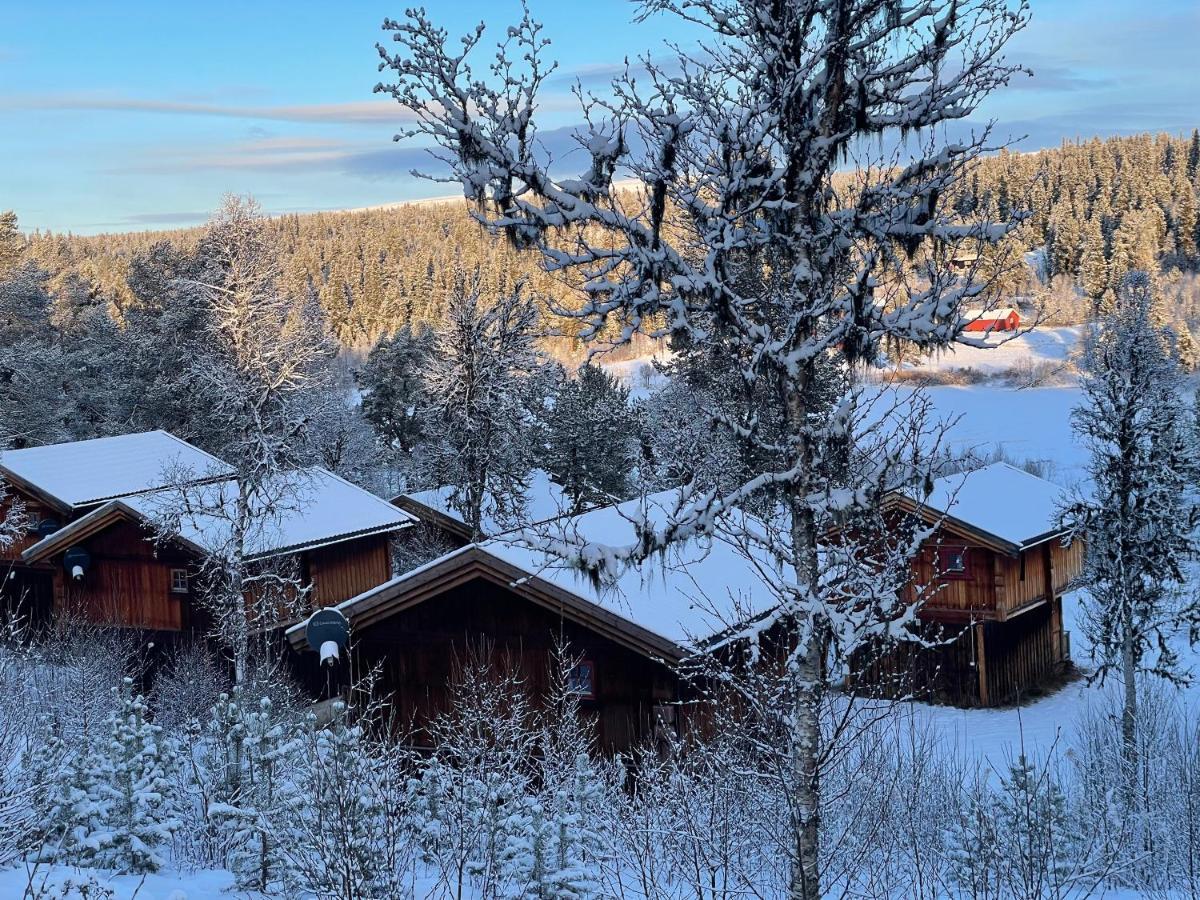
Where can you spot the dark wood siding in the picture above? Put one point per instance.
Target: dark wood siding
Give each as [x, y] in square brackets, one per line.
[345, 570]
[417, 649]
[982, 664]
[128, 583]
[974, 591]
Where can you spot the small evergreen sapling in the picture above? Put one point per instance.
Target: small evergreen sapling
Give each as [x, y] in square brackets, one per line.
[113, 804]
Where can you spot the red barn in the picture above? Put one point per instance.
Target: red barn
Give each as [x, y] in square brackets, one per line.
[1005, 319]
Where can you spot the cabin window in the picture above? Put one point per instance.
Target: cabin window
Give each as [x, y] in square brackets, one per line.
[581, 681]
[179, 581]
[952, 562]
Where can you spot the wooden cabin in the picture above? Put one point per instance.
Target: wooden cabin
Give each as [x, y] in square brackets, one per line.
[100, 560]
[1004, 319]
[521, 604]
[544, 502]
[992, 577]
[58, 484]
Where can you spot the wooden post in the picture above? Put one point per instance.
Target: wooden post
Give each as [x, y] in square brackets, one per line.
[1055, 608]
[981, 665]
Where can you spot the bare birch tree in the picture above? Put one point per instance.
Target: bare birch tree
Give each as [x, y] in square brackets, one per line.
[481, 383]
[265, 369]
[803, 143]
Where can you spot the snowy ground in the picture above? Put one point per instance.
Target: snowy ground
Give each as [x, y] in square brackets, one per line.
[1042, 346]
[215, 885]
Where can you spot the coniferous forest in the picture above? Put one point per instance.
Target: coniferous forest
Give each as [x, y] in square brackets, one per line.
[1096, 209]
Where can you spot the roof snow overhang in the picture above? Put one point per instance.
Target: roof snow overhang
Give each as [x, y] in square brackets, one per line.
[473, 562]
[433, 516]
[964, 529]
[60, 506]
[115, 511]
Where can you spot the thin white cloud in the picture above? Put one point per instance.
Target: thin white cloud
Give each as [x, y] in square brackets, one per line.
[357, 112]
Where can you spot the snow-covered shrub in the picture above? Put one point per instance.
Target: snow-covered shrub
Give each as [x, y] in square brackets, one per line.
[112, 805]
[251, 749]
[187, 687]
[695, 825]
[75, 887]
[1155, 845]
[466, 794]
[331, 830]
[555, 839]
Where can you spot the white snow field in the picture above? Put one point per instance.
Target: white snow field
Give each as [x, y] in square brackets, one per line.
[1005, 353]
[207, 885]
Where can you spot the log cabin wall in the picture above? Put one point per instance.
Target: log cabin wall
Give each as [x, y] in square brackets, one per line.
[418, 649]
[959, 595]
[1067, 563]
[129, 582]
[345, 570]
[1022, 578]
[1044, 570]
[980, 664]
[1020, 654]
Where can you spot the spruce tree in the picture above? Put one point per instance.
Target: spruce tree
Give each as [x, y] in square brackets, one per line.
[393, 392]
[113, 806]
[1138, 522]
[12, 245]
[591, 439]
[1093, 264]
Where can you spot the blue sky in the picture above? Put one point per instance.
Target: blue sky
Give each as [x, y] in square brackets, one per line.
[118, 116]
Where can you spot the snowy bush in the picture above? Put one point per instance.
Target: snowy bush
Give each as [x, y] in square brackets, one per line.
[341, 797]
[111, 804]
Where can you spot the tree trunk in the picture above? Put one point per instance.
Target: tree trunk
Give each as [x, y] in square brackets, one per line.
[1129, 711]
[806, 724]
[806, 880]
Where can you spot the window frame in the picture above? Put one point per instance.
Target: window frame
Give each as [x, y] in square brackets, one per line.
[175, 584]
[954, 574]
[589, 666]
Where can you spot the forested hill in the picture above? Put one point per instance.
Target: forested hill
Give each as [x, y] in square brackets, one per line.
[1099, 208]
[373, 270]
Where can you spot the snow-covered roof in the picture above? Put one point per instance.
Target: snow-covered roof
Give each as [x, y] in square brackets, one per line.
[316, 508]
[81, 473]
[989, 315]
[693, 591]
[544, 500]
[1002, 501]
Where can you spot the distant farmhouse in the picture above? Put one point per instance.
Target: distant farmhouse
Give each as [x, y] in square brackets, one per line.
[1006, 318]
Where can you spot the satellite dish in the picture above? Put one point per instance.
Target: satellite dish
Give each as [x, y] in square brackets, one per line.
[77, 561]
[328, 632]
[46, 527]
